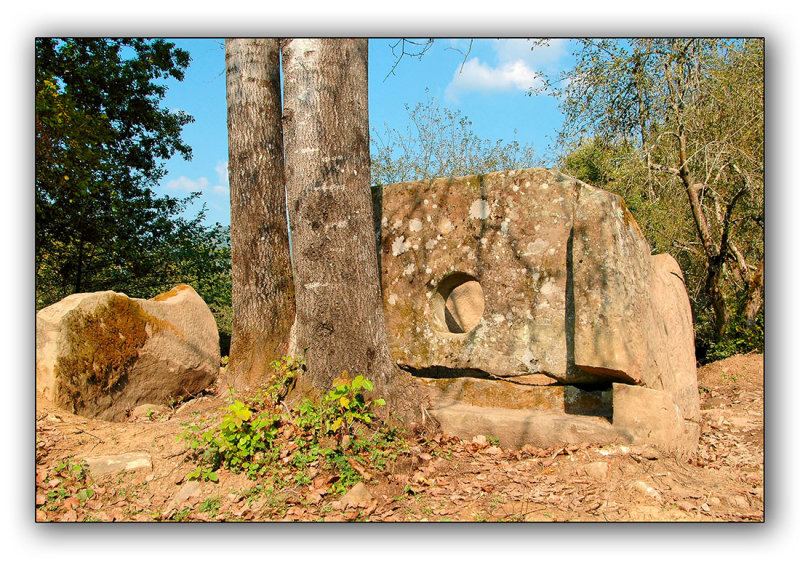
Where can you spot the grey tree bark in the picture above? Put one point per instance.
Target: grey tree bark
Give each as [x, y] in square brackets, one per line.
[340, 319]
[263, 289]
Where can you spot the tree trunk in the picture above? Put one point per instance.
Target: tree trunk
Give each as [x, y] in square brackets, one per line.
[263, 290]
[340, 319]
[755, 287]
[715, 255]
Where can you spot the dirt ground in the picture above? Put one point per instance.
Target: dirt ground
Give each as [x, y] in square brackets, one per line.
[439, 479]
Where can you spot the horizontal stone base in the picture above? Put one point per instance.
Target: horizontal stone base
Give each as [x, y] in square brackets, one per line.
[548, 416]
[515, 428]
[513, 394]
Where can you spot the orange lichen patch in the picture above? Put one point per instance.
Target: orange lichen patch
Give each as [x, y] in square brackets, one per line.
[171, 293]
[629, 219]
[103, 345]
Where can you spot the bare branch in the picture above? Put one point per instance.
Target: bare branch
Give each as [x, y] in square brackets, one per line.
[418, 53]
[466, 55]
[667, 169]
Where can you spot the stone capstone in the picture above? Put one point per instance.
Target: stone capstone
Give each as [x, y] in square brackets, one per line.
[102, 354]
[530, 274]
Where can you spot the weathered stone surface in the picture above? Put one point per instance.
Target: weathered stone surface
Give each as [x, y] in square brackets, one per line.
[104, 464]
[102, 354]
[515, 428]
[501, 393]
[632, 316]
[651, 416]
[531, 272]
[502, 238]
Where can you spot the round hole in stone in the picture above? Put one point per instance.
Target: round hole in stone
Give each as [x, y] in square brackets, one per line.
[457, 304]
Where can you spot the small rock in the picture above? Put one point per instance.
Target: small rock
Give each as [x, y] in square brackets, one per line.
[357, 496]
[480, 440]
[188, 491]
[649, 453]
[739, 502]
[597, 470]
[646, 489]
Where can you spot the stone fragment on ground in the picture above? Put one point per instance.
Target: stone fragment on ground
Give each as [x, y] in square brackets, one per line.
[105, 464]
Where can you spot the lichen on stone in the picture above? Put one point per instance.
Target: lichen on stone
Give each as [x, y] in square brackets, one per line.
[102, 345]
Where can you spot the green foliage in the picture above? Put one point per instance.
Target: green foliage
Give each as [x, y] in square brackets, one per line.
[242, 442]
[344, 407]
[338, 433]
[102, 138]
[210, 506]
[738, 339]
[280, 384]
[72, 480]
[438, 143]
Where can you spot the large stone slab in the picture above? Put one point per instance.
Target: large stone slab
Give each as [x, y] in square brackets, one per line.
[102, 354]
[633, 320]
[483, 253]
[531, 272]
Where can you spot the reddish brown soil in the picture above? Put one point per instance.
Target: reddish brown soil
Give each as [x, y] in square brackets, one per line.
[441, 479]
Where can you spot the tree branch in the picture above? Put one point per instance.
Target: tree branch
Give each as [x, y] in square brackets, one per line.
[403, 53]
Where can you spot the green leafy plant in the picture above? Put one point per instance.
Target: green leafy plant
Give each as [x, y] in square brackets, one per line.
[341, 433]
[345, 406]
[72, 481]
[210, 506]
[242, 442]
[337, 434]
[282, 381]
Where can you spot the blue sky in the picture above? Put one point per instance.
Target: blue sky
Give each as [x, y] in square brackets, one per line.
[489, 87]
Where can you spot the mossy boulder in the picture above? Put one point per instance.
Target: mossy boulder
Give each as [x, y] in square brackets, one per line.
[101, 354]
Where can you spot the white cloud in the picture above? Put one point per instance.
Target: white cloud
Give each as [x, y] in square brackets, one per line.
[188, 184]
[222, 171]
[479, 76]
[223, 186]
[516, 67]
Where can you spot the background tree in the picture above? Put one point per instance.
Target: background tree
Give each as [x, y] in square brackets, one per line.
[676, 126]
[263, 289]
[439, 143]
[101, 142]
[340, 320]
